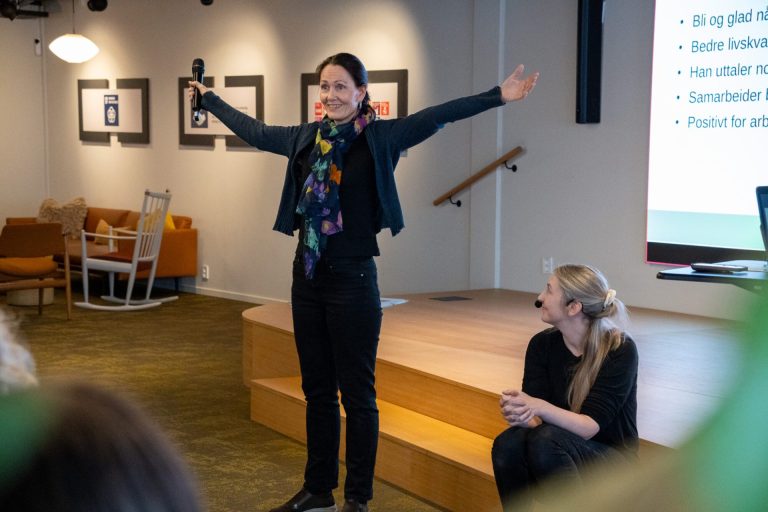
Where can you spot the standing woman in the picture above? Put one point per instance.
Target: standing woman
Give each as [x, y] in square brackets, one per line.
[339, 192]
[578, 403]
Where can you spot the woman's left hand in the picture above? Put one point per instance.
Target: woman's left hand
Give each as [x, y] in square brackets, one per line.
[515, 87]
[518, 408]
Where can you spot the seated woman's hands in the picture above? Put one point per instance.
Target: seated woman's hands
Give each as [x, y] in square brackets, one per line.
[518, 409]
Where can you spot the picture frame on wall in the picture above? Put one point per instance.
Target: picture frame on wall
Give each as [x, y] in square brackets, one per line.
[82, 86]
[388, 90]
[257, 82]
[124, 110]
[245, 93]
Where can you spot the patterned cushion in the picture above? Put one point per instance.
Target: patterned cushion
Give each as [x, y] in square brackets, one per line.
[71, 215]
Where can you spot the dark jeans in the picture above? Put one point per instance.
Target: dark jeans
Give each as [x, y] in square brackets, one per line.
[336, 321]
[523, 457]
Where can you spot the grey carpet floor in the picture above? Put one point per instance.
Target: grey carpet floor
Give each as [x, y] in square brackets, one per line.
[182, 363]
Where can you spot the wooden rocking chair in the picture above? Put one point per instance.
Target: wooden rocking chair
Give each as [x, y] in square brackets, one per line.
[145, 242]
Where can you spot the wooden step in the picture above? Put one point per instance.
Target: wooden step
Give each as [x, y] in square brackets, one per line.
[446, 363]
[270, 351]
[442, 463]
[438, 397]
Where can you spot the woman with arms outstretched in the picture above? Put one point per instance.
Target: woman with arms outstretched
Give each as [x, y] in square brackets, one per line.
[339, 192]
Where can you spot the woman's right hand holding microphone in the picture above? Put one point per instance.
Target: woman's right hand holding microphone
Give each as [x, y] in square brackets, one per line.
[195, 85]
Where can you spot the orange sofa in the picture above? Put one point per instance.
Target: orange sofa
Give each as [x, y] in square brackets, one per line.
[178, 252]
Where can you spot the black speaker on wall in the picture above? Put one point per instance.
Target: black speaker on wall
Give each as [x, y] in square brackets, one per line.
[590, 61]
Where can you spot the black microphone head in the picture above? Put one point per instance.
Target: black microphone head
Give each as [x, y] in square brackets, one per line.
[538, 303]
[198, 65]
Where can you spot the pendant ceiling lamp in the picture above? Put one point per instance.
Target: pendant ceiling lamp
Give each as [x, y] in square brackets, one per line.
[73, 47]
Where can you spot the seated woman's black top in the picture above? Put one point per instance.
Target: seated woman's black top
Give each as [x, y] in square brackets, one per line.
[612, 401]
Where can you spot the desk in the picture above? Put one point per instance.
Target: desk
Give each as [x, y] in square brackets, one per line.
[753, 281]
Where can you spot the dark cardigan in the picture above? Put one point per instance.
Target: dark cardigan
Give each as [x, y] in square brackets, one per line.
[386, 140]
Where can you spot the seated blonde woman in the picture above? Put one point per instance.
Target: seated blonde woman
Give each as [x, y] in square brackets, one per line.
[578, 402]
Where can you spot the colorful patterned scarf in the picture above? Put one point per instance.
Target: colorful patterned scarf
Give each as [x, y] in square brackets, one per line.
[320, 204]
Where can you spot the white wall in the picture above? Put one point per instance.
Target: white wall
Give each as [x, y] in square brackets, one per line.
[579, 194]
[22, 131]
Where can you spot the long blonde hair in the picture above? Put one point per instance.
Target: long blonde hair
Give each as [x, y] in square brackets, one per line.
[607, 318]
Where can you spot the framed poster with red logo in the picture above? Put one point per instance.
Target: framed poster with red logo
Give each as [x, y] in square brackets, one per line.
[388, 90]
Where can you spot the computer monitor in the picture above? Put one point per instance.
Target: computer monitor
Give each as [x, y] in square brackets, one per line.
[762, 206]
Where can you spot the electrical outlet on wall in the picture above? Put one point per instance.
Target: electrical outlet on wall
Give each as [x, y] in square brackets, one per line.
[547, 265]
[205, 272]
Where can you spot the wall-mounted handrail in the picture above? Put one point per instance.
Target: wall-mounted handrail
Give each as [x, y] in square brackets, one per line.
[479, 174]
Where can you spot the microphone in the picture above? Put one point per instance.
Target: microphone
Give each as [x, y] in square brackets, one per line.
[198, 70]
[538, 303]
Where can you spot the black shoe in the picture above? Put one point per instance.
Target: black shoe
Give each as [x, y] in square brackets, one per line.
[304, 501]
[354, 506]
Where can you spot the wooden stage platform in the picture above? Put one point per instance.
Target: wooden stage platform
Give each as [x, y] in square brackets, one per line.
[443, 360]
